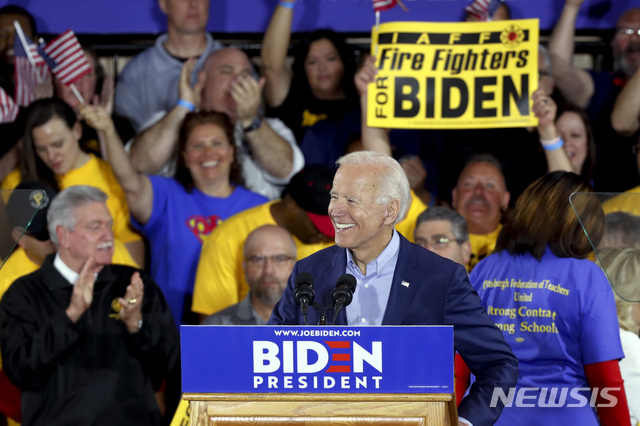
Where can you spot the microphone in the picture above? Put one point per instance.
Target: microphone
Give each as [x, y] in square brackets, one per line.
[343, 293]
[304, 294]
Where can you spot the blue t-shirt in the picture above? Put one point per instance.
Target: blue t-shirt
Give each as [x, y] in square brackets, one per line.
[177, 227]
[558, 315]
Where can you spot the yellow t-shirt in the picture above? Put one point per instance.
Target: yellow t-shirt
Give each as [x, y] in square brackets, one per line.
[482, 246]
[624, 202]
[95, 172]
[220, 278]
[11, 180]
[408, 225]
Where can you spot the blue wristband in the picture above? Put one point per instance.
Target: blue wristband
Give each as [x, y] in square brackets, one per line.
[286, 4]
[188, 105]
[554, 146]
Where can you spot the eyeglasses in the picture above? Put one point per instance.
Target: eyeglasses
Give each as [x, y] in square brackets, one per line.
[439, 241]
[277, 259]
[635, 149]
[542, 73]
[627, 31]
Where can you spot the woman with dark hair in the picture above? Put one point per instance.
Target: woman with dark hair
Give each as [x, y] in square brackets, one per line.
[565, 131]
[51, 154]
[320, 83]
[177, 214]
[555, 307]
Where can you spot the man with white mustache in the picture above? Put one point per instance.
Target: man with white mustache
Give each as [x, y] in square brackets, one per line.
[84, 339]
[481, 196]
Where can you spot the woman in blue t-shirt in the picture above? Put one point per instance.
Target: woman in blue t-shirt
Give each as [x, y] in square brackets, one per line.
[555, 307]
[177, 214]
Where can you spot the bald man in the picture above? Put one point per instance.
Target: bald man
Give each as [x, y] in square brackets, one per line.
[269, 255]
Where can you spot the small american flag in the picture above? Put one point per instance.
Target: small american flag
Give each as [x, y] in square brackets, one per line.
[8, 108]
[26, 76]
[65, 57]
[382, 5]
[483, 9]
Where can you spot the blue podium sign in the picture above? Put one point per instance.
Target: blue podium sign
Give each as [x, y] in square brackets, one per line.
[278, 359]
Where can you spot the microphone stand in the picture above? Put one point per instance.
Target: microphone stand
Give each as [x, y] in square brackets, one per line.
[339, 306]
[304, 307]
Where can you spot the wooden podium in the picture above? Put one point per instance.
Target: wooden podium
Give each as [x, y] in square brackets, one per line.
[274, 408]
[322, 409]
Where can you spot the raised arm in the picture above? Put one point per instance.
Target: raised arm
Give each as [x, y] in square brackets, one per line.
[625, 117]
[373, 138]
[576, 85]
[545, 110]
[275, 45]
[153, 148]
[270, 150]
[136, 186]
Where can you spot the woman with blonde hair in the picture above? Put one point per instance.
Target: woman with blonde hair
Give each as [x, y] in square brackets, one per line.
[623, 268]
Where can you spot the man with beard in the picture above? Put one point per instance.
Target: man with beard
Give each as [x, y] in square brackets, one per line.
[615, 131]
[269, 255]
[481, 196]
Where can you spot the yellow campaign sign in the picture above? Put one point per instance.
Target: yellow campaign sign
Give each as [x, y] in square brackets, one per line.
[473, 75]
[182, 416]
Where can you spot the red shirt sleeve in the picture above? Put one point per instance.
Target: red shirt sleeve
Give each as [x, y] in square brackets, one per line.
[462, 378]
[611, 406]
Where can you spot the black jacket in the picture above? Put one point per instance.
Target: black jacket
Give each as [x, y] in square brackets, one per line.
[92, 372]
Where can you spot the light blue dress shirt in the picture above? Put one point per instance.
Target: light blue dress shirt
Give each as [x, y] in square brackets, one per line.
[372, 290]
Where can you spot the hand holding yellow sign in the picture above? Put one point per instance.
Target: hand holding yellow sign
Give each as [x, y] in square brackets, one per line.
[454, 75]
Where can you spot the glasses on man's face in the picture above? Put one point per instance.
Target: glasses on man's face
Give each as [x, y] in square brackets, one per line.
[542, 73]
[440, 241]
[626, 31]
[276, 259]
[635, 149]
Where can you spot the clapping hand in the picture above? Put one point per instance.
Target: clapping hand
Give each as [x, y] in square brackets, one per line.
[131, 303]
[82, 294]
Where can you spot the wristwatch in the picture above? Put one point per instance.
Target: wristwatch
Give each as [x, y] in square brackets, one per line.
[255, 125]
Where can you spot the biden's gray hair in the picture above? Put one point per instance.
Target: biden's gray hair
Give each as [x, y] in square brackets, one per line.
[393, 180]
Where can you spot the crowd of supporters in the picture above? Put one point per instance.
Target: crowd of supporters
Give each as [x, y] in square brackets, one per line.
[196, 148]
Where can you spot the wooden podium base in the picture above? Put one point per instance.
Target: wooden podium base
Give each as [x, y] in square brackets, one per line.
[322, 409]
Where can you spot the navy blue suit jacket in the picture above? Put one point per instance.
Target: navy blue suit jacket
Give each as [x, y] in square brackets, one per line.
[439, 293]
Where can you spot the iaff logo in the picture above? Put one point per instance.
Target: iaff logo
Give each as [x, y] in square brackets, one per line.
[115, 309]
[554, 397]
[319, 359]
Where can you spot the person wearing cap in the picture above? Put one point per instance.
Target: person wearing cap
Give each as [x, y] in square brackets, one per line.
[86, 340]
[269, 255]
[220, 280]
